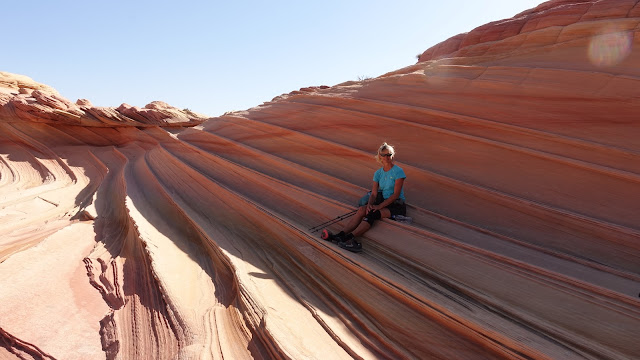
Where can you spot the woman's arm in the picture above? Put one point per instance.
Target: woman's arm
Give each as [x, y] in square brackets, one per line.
[397, 188]
[373, 196]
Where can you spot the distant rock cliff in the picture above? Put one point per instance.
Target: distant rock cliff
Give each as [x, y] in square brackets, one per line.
[23, 100]
[157, 233]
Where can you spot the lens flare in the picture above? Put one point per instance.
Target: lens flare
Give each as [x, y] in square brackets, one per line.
[610, 48]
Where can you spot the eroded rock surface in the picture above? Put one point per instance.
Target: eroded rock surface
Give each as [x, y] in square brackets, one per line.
[155, 233]
[23, 100]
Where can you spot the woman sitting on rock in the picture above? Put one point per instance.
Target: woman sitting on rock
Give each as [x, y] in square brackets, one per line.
[387, 184]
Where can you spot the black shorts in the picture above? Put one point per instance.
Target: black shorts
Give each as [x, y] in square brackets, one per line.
[398, 207]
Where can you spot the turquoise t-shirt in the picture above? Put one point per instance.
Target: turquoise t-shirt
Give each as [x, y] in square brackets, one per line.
[387, 180]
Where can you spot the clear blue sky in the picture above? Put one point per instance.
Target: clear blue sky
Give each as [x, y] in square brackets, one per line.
[217, 56]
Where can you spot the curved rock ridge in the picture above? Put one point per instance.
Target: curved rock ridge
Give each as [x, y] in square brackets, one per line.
[551, 23]
[127, 236]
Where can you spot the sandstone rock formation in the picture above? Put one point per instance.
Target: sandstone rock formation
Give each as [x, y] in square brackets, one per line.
[151, 233]
[23, 100]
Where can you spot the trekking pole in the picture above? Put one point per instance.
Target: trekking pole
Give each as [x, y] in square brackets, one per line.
[332, 221]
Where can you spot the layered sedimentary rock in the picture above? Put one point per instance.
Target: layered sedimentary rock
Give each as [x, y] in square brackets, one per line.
[23, 100]
[152, 233]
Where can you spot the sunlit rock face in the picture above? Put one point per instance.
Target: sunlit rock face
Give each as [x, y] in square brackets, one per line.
[154, 233]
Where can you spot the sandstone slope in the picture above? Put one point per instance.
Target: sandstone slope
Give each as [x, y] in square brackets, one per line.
[156, 233]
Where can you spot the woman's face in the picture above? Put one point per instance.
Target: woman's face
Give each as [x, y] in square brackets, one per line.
[385, 156]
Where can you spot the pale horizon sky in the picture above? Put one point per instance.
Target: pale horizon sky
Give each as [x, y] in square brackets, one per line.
[213, 57]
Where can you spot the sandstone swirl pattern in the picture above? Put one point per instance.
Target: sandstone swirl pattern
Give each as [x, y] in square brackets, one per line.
[156, 233]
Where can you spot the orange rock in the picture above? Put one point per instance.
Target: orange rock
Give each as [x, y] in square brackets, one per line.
[34, 102]
[131, 233]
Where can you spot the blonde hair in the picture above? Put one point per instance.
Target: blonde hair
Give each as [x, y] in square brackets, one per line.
[385, 146]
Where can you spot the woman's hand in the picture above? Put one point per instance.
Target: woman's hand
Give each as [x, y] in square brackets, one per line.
[372, 208]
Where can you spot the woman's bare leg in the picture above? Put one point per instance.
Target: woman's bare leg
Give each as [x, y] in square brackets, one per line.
[364, 226]
[353, 223]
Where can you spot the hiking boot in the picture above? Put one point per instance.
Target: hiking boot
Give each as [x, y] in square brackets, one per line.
[351, 245]
[340, 237]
